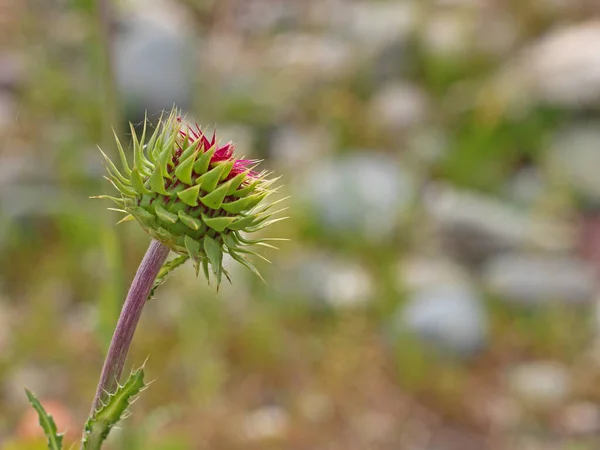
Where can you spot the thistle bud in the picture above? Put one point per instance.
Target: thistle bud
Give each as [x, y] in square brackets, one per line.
[192, 194]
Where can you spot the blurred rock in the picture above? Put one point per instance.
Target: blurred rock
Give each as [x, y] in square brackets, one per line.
[527, 279]
[316, 407]
[12, 71]
[574, 155]
[476, 226]
[399, 106]
[447, 34]
[581, 418]
[541, 383]
[154, 67]
[375, 24]
[427, 145]
[311, 55]
[526, 187]
[294, 148]
[6, 319]
[326, 281]
[264, 16]
[8, 110]
[391, 63]
[269, 422]
[564, 66]
[418, 272]
[449, 318]
[362, 196]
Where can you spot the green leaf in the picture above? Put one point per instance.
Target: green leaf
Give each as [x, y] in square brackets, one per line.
[214, 200]
[184, 169]
[114, 409]
[189, 221]
[202, 163]
[47, 423]
[210, 179]
[157, 181]
[165, 215]
[217, 223]
[190, 195]
[215, 256]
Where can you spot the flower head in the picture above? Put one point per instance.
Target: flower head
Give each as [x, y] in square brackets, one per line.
[192, 194]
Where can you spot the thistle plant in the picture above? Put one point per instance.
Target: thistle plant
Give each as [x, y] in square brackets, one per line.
[195, 199]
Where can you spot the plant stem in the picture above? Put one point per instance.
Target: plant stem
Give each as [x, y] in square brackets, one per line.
[130, 314]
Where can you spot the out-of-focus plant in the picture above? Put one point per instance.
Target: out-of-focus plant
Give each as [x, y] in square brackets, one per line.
[195, 199]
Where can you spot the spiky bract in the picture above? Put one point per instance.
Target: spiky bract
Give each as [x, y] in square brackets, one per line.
[192, 194]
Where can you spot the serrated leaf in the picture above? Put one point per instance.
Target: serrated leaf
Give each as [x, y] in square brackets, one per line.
[54, 438]
[112, 410]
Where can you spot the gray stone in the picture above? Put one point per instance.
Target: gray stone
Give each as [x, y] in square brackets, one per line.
[574, 155]
[363, 196]
[532, 279]
[540, 383]
[476, 226]
[294, 148]
[311, 55]
[563, 67]
[325, 282]
[447, 34]
[449, 318]
[398, 106]
[154, 68]
[375, 24]
[268, 422]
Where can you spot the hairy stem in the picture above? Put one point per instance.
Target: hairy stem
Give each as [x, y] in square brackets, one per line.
[130, 314]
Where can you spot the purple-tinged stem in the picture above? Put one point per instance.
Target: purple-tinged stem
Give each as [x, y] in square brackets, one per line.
[130, 315]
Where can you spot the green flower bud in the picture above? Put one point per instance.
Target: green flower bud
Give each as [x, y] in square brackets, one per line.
[192, 194]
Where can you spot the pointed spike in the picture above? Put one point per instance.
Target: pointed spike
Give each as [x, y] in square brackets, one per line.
[189, 149]
[126, 191]
[205, 270]
[118, 201]
[210, 179]
[215, 255]
[165, 215]
[140, 213]
[193, 247]
[110, 166]
[190, 195]
[242, 223]
[237, 181]
[138, 156]
[163, 161]
[151, 149]
[138, 182]
[214, 200]
[217, 223]
[189, 221]
[246, 189]
[243, 204]
[259, 227]
[246, 263]
[184, 169]
[227, 166]
[127, 218]
[203, 162]
[122, 154]
[157, 182]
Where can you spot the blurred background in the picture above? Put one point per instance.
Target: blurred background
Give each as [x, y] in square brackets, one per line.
[439, 289]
